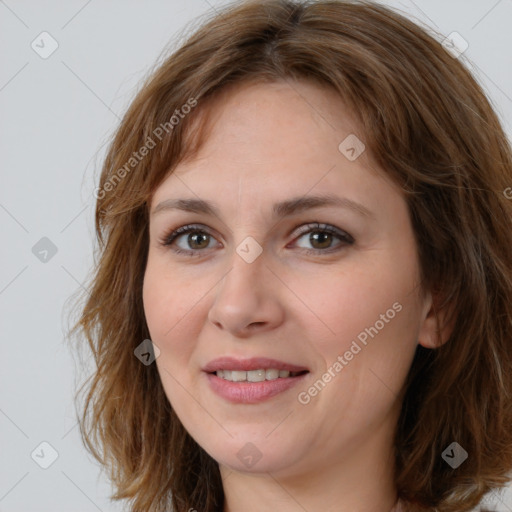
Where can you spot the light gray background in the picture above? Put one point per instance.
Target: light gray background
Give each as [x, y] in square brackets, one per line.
[56, 115]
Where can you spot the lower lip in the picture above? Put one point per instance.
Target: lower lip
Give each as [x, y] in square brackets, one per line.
[251, 392]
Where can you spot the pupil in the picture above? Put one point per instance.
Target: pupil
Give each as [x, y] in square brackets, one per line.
[326, 238]
[193, 236]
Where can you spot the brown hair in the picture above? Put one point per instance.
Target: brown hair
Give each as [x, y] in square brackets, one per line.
[429, 125]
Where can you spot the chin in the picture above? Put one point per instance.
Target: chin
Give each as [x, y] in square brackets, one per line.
[256, 456]
[266, 464]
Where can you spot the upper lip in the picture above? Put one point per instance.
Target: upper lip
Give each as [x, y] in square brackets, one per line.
[253, 363]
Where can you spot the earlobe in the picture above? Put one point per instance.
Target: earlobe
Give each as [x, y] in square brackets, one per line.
[436, 327]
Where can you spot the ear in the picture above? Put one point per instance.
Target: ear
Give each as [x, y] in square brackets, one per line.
[436, 327]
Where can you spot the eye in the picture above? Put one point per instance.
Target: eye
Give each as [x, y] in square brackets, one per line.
[321, 236]
[198, 239]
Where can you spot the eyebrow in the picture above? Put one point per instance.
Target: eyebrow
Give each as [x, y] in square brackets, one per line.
[282, 209]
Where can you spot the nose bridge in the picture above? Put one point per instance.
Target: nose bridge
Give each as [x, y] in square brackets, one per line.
[244, 295]
[247, 266]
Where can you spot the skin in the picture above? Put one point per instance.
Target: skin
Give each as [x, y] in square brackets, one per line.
[271, 142]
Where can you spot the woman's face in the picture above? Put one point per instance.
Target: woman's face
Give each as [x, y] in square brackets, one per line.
[255, 281]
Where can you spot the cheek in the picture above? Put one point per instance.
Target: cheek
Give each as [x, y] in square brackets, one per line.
[370, 318]
[169, 311]
[363, 366]
[157, 304]
[168, 306]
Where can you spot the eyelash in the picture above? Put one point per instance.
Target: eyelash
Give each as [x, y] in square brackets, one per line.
[314, 227]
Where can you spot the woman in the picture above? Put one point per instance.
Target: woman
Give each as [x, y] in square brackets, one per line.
[303, 295]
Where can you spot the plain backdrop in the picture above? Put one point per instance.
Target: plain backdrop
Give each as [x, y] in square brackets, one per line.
[57, 112]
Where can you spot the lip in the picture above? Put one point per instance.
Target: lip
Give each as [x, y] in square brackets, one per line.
[253, 363]
[251, 392]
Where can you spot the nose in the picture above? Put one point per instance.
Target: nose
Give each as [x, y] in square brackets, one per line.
[248, 298]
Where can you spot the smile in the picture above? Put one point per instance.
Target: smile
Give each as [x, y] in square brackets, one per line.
[256, 375]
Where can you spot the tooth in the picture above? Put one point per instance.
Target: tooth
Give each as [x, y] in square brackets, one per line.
[271, 374]
[238, 376]
[256, 375]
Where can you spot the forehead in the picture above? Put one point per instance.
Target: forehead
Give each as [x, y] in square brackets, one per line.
[267, 142]
[268, 128]
[277, 113]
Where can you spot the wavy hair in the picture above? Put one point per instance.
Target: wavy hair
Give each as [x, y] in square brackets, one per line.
[430, 127]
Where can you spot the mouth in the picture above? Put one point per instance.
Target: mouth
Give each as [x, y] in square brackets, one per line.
[255, 369]
[252, 380]
[259, 375]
